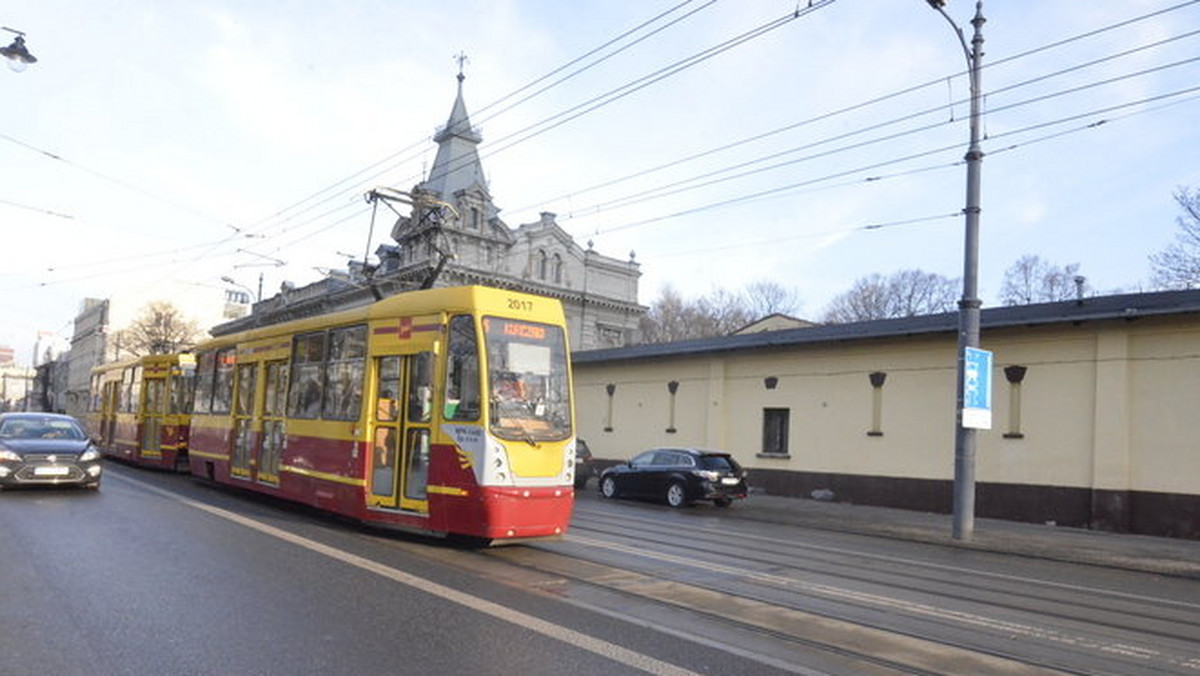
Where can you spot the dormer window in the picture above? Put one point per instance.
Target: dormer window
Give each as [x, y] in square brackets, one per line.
[476, 218]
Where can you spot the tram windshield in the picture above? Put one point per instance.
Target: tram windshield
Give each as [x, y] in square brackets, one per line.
[530, 397]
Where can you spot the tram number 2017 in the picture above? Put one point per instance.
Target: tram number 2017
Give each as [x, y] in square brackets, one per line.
[520, 305]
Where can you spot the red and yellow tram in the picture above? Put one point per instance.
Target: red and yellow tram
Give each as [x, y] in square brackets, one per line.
[443, 411]
[140, 409]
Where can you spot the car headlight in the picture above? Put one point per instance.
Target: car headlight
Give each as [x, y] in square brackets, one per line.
[8, 456]
[89, 455]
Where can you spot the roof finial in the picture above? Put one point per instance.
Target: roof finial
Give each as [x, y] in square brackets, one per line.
[461, 58]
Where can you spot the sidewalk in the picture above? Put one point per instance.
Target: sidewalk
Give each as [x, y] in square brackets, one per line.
[1165, 556]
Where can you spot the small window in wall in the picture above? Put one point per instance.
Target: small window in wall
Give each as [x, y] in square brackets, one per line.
[558, 269]
[1015, 375]
[877, 379]
[542, 264]
[775, 431]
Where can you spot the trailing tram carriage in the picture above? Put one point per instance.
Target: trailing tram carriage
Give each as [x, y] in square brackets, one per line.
[443, 411]
[140, 409]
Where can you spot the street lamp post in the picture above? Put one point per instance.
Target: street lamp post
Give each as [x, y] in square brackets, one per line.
[968, 306]
[243, 287]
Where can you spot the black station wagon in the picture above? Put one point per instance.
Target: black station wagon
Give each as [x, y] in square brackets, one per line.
[680, 476]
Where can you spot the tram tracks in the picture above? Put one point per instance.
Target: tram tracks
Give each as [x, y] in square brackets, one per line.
[1161, 617]
[1041, 623]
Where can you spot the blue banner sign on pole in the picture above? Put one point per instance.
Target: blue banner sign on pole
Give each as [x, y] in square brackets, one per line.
[977, 389]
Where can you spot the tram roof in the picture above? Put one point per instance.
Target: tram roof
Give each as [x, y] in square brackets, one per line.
[409, 303]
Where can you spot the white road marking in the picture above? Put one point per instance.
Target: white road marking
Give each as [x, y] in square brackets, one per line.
[605, 649]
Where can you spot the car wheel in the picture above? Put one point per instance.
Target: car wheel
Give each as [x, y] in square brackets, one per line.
[723, 502]
[676, 495]
[608, 487]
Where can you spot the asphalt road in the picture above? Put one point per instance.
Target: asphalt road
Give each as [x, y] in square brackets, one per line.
[160, 574]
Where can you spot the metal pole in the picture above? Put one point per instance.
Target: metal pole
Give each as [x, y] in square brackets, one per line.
[968, 305]
[964, 447]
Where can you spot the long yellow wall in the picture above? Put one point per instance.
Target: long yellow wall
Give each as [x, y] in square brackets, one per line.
[1103, 405]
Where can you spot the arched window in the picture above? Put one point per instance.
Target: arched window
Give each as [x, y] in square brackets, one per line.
[541, 264]
[557, 269]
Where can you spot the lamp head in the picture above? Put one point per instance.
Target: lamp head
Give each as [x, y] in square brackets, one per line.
[17, 54]
[936, 4]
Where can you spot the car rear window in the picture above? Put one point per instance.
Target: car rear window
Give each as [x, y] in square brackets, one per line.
[719, 463]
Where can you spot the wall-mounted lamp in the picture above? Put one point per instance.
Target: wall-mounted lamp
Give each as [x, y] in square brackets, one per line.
[17, 54]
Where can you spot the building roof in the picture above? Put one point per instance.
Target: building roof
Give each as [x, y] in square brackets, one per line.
[1098, 308]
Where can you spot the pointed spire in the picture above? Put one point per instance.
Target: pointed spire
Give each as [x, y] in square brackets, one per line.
[457, 164]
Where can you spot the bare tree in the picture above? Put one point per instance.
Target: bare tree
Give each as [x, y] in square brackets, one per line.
[907, 293]
[673, 318]
[160, 329]
[765, 298]
[1033, 280]
[1178, 265]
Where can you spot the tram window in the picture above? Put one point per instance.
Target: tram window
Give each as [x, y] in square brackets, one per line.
[155, 401]
[527, 380]
[416, 473]
[223, 381]
[308, 375]
[135, 390]
[182, 387]
[462, 371]
[420, 390]
[205, 371]
[245, 389]
[344, 381]
[389, 386]
[276, 389]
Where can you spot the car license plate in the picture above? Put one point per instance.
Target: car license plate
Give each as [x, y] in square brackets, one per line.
[51, 471]
[729, 480]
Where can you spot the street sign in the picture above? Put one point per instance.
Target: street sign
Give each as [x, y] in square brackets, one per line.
[977, 388]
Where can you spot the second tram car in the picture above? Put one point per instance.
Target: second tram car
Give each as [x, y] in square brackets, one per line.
[140, 409]
[443, 411]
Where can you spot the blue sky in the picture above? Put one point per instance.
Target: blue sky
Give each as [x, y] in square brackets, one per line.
[196, 140]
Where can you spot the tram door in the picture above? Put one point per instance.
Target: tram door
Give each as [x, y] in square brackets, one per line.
[401, 420]
[271, 413]
[244, 437]
[153, 409]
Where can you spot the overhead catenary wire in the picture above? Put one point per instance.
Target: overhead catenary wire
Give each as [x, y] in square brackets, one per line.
[708, 179]
[298, 227]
